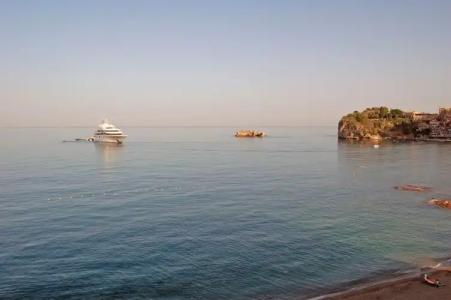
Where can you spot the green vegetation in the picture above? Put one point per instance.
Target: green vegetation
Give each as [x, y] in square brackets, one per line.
[396, 113]
[377, 123]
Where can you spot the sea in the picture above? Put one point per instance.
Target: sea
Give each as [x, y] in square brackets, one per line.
[195, 213]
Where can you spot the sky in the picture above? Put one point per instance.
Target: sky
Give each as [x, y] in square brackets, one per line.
[219, 63]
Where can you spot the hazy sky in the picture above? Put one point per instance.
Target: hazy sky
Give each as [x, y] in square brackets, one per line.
[236, 63]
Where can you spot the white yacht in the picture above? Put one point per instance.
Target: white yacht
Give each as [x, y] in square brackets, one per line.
[108, 133]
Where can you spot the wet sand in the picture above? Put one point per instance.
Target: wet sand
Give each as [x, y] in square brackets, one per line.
[404, 288]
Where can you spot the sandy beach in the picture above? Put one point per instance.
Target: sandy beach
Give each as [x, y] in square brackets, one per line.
[404, 288]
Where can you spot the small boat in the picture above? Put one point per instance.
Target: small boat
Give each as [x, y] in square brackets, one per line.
[433, 282]
[108, 133]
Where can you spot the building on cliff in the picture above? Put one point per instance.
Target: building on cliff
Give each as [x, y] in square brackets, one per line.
[422, 117]
[440, 127]
[444, 114]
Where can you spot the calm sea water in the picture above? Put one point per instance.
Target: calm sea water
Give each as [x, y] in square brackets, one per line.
[194, 213]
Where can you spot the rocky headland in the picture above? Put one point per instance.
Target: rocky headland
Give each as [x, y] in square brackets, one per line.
[383, 123]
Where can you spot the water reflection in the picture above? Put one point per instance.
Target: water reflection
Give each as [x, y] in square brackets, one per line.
[393, 164]
[108, 153]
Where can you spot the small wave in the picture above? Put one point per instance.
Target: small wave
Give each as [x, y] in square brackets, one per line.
[114, 193]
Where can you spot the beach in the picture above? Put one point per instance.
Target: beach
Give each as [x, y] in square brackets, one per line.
[402, 288]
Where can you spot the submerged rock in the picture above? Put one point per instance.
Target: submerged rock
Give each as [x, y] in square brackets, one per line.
[249, 133]
[413, 188]
[443, 203]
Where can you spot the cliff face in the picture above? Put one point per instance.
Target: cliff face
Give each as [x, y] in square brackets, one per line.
[376, 123]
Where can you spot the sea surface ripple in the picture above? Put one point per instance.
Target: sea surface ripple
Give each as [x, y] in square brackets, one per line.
[194, 213]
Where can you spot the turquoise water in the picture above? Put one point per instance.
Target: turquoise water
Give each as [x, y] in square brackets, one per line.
[194, 213]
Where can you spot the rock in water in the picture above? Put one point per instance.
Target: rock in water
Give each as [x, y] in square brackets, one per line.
[249, 133]
[443, 203]
[413, 188]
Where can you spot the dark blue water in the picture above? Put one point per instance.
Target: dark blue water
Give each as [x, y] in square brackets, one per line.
[194, 213]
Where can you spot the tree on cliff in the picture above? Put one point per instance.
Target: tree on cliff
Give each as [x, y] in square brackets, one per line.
[383, 112]
[396, 113]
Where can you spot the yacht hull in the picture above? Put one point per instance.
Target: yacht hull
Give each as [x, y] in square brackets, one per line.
[109, 139]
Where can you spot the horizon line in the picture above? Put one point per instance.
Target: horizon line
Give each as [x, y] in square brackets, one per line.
[174, 126]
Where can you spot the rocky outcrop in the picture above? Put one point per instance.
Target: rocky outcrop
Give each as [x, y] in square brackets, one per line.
[443, 203]
[376, 123]
[355, 131]
[413, 188]
[249, 133]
